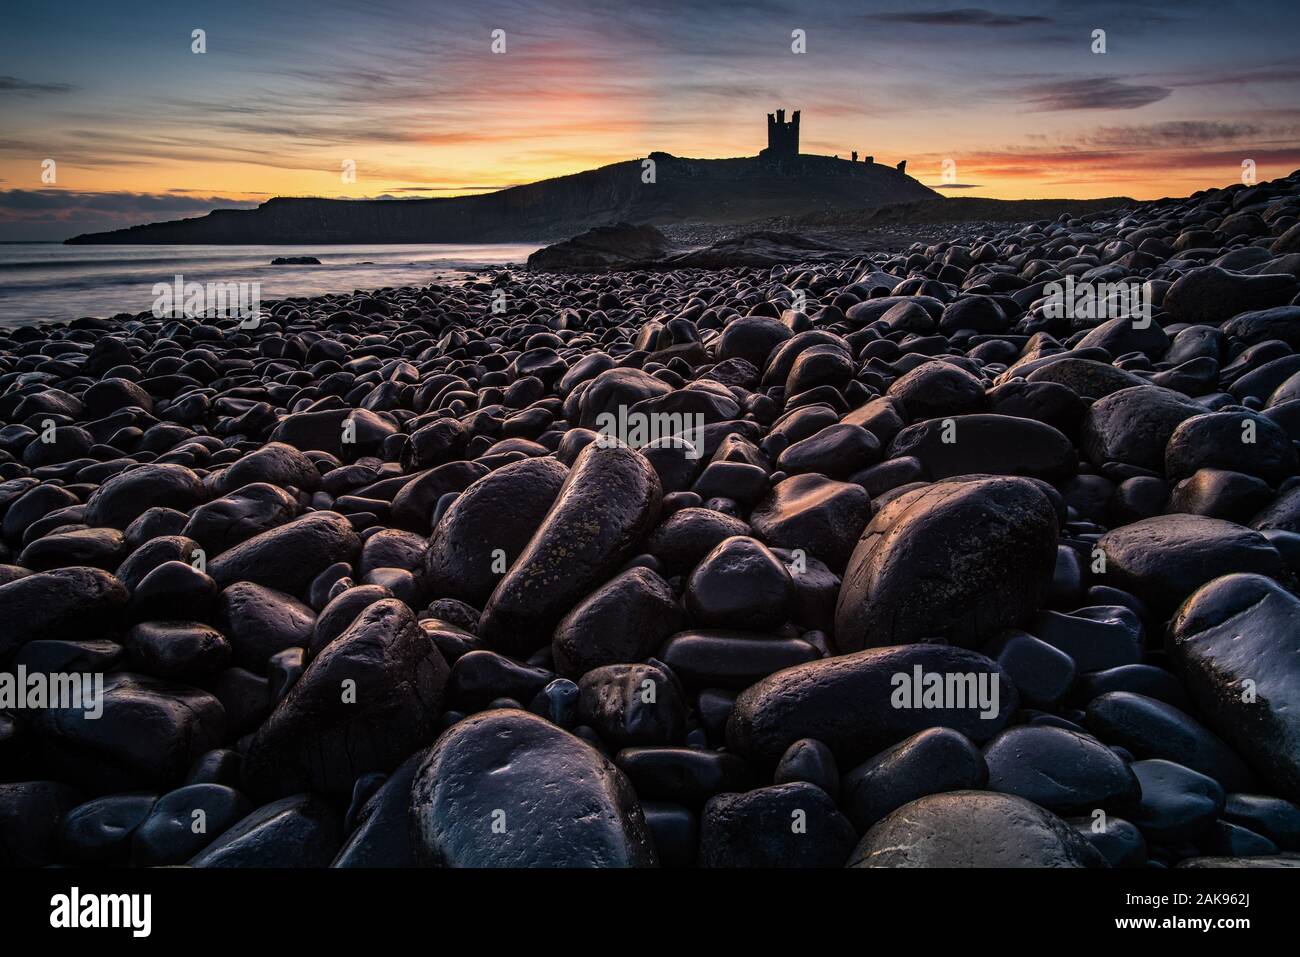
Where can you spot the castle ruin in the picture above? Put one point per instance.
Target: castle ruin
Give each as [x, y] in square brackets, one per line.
[782, 137]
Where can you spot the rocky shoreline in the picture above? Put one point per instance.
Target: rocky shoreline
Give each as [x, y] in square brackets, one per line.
[930, 567]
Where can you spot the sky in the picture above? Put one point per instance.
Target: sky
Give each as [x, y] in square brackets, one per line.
[141, 128]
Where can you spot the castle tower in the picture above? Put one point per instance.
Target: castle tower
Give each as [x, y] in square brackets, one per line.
[782, 136]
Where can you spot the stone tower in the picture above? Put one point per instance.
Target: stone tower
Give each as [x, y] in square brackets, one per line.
[782, 136]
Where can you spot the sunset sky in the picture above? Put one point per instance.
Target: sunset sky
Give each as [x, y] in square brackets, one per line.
[142, 129]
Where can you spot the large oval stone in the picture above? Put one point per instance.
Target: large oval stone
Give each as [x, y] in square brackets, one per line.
[973, 829]
[608, 504]
[1238, 629]
[860, 704]
[500, 511]
[1164, 559]
[506, 788]
[957, 560]
[287, 558]
[368, 700]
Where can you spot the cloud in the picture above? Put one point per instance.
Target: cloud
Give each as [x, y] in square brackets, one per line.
[1175, 133]
[1093, 93]
[11, 84]
[70, 204]
[957, 186]
[964, 17]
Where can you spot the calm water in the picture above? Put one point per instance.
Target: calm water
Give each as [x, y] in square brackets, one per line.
[48, 282]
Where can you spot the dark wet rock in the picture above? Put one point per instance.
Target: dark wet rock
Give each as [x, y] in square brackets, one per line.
[488, 526]
[786, 825]
[1235, 644]
[1041, 673]
[1057, 769]
[1146, 680]
[609, 502]
[719, 658]
[919, 572]
[1216, 493]
[183, 822]
[815, 514]
[1116, 839]
[1164, 559]
[686, 536]
[260, 622]
[1149, 728]
[928, 762]
[126, 496]
[416, 501]
[740, 584]
[687, 776]
[1274, 818]
[287, 558]
[90, 547]
[368, 700]
[509, 789]
[297, 831]
[1211, 294]
[837, 451]
[173, 590]
[225, 522]
[99, 831]
[154, 554]
[480, 676]
[811, 761]
[937, 389]
[382, 833]
[1241, 441]
[1177, 803]
[346, 433]
[973, 829]
[847, 702]
[624, 621]
[337, 617]
[1134, 425]
[616, 244]
[1096, 638]
[274, 464]
[147, 736]
[63, 603]
[182, 651]
[632, 704]
[989, 444]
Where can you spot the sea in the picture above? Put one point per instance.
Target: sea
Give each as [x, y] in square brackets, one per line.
[50, 282]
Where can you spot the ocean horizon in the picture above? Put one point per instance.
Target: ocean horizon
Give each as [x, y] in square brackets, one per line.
[43, 282]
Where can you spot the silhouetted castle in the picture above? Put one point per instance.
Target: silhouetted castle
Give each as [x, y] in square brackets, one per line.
[783, 144]
[782, 137]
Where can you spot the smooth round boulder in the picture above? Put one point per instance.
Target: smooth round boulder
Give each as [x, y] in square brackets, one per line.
[488, 526]
[506, 788]
[973, 829]
[858, 704]
[1163, 559]
[956, 560]
[608, 504]
[366, 702]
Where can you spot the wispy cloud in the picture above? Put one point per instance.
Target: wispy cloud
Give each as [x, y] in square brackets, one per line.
[12, 84]
[1093, 93]
[964, 17]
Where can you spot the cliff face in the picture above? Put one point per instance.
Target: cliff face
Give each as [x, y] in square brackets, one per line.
[685, 190]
